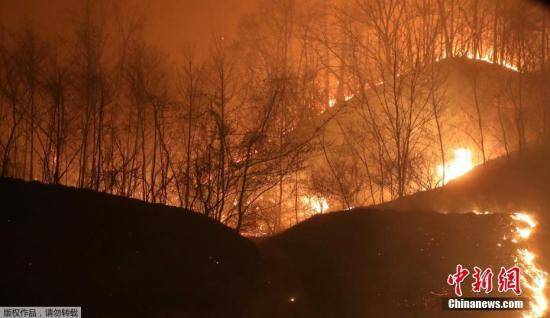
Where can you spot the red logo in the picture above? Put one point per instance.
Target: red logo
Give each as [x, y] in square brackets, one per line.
[482, 280]
[457, 278]
[508, 280]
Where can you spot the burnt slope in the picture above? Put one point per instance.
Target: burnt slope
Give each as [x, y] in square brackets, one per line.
[372, 263]
[119, 257]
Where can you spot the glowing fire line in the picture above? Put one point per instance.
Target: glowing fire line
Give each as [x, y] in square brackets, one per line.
[488, 58]
[533, 277]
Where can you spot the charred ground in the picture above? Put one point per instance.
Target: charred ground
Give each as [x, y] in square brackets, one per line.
[117, 256]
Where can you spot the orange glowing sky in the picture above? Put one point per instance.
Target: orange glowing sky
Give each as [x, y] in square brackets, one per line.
[170, 23]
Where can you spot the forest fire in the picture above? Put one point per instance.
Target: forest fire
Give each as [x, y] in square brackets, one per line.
[534, 278]
[315, 203]
[487, 58]
[143, 135]
[239, 124]
[461, 164]
[332, 101]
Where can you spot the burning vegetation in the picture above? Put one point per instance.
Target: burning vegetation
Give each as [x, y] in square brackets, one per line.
[313, 106]
[534, 278]
[461, 164]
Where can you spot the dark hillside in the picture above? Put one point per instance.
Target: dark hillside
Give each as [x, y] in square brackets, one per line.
[370, 263]
[119, 257]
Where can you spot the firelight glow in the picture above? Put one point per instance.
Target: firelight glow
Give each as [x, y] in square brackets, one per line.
[533, 276]
[317, 204]
[487, 58]
[332, 101]
[461, 164]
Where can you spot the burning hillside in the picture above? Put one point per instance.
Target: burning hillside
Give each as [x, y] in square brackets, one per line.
[145, 174]
[312, 106]
[509, 183]
[347, 258]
